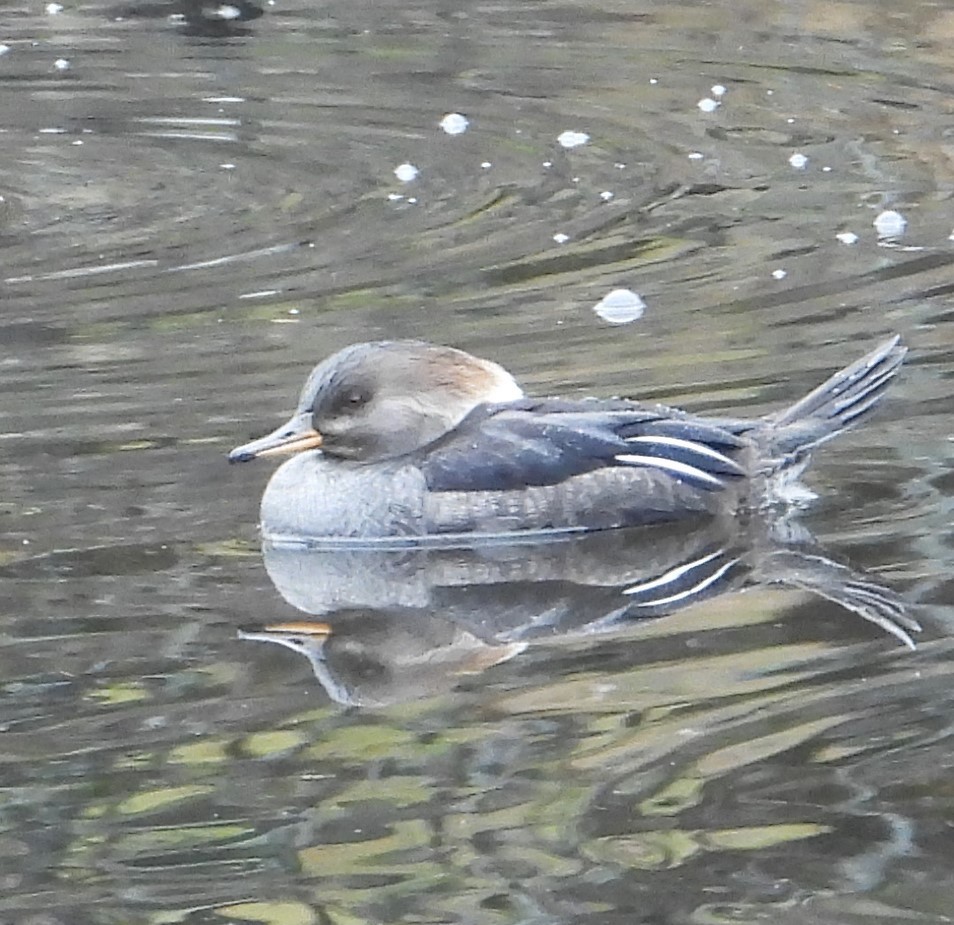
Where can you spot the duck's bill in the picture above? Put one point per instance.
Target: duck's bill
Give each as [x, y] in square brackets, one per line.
[293, 437]
[299, 631]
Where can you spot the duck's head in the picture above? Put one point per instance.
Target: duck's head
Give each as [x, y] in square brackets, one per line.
[379, 400]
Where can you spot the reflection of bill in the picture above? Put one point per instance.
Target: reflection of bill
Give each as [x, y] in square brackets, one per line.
[405, 623]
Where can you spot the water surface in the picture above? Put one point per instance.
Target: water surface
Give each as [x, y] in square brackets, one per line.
[195, 212]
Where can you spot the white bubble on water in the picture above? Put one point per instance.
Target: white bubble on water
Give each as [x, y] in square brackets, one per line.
[890, 224]
[454, 123]
[570, 139]
[406, 172]
[621, 306]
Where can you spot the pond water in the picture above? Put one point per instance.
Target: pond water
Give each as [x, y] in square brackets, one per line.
[199, 202]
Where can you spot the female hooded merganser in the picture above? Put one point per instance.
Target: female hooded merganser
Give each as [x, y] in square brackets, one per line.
[404, 439]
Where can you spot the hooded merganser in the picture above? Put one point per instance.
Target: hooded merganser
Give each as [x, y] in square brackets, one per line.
[404, 440]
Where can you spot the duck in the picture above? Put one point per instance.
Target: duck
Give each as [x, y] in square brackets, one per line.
[411, 442]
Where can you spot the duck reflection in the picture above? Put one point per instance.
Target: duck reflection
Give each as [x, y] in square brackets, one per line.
[210, 18]
[397, 623]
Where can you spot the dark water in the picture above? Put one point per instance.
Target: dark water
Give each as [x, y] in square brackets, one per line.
[194, 212]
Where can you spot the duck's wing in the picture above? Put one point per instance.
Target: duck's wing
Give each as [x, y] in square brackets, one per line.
[528, 443]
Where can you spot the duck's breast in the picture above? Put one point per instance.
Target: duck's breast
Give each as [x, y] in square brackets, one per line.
[312, 497]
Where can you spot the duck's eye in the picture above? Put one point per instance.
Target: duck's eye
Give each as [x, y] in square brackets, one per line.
[346, 401]
[352, 400]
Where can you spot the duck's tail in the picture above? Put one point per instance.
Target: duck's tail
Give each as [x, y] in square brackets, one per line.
[838, 403]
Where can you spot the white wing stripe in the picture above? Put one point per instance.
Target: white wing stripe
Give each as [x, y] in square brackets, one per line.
[699, 449]
[673, 466]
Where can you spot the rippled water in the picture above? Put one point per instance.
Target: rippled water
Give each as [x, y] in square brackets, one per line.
[194, 211]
